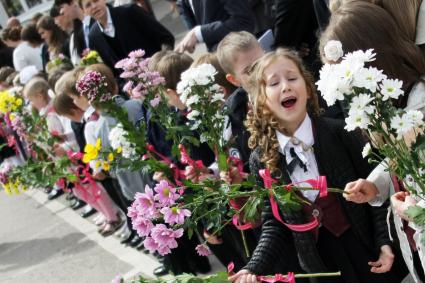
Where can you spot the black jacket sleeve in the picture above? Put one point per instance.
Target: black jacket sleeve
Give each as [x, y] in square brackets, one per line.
[240, 18]
[150, 26]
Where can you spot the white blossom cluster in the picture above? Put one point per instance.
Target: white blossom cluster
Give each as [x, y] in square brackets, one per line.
[118, 139]
[363, 87]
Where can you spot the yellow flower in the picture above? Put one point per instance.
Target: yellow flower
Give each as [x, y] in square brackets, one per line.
[98, 144]
[111, 157]
[98, 164]
[119, 149]
[12, 117]
[7, 188]
[18, 102]
[106, 166]
[90, 153]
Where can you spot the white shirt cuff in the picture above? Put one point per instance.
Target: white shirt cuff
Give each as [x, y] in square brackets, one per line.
[198, 33]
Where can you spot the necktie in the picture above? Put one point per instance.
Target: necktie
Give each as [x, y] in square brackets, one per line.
[296, 161]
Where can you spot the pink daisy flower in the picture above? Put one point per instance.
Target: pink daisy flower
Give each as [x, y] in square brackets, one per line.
[143, 226]
[166, 194]
[175, 215]
[164, 236]
[203, 250]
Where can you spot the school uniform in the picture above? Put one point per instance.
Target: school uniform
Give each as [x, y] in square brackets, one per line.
[349, 234]
[128, 28]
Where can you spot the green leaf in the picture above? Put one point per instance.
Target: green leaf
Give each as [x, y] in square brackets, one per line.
[416, 213]
[419, 144]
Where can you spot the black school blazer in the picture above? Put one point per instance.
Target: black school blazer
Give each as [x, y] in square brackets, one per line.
[338, 155]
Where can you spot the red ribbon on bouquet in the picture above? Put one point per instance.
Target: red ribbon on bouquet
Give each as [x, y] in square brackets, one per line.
[239, 165]
[187, 160]
[320, 183]
[177, 174]
[289, 278]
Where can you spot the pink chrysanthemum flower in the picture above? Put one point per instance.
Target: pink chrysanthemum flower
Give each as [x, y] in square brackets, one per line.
[166, 194]
[150, 244]
[92, 85]
[154, 102]
[165, 237]
[175, 215]
[203, 250]
[146, 205]
[142, 226]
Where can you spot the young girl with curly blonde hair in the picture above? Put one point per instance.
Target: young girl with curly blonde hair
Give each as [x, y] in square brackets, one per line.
[289, 138]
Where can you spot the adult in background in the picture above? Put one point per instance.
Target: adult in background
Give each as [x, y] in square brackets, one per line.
[6, 55]
[211, 20]
[69, 13]
[56, 40]
[27, 43]
[120, 30]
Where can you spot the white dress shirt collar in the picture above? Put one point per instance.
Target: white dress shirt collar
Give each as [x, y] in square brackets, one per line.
[109, 30]
[87, 114]
[304, 133]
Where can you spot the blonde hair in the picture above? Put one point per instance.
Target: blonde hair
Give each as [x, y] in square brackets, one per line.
[66, 83]
[231, 44]
[37, 86]
[261, 122]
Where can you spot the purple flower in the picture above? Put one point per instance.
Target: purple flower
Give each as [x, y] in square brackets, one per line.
[92, 84]
[128, 86]
[203, 250]
[132, 210]
[166, 194]
[154, 102]
[61, 56]
[175, 215]
[142, 226]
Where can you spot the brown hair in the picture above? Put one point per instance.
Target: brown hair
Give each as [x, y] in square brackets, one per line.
[220, 77]
[171, 66]
[56, 73]
[261, 122]
[29, 33]
[156, 57]
[58, 36]
[5, 72]
[360, 25]
[112, 86]
[37, 86]
[11, 33]
[64, 105]
[232, 43]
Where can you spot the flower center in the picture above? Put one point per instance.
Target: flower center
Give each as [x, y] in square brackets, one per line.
[174, 210]
[166, 192]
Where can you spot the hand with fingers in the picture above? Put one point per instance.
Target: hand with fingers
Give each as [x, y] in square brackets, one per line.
[243, 276]
[384, 262]
[360, 191]
[188, 43]
[400, 202]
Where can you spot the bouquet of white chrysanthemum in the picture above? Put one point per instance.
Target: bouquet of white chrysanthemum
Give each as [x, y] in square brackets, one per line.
[398, 134]
[204, 100]
[120, 143]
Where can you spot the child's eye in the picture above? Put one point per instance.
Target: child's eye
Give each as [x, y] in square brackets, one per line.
[273, 83]
[292, 79]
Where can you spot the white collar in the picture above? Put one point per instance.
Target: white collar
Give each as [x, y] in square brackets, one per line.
[109, 29]
[89, 111]
[304, 133]
[43, 111]
[86, 20]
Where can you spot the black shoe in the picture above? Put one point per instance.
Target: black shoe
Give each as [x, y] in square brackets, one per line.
[141, 247]
[129, 239]
[88, 213]
[55, 193]
[79, 204]
[135, 242]
[69, 196]
[160, 271]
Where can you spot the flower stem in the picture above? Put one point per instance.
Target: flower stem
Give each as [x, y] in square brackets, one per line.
[315, 275]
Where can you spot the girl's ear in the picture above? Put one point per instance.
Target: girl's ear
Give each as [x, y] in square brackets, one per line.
[231, 79]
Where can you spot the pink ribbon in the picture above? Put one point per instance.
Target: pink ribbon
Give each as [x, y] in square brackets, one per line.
[242, 227]
[186, 160]
[268, 182]
[290, 277]
[239, 165]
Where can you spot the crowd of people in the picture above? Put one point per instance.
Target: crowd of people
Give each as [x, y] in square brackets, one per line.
[275, 119]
